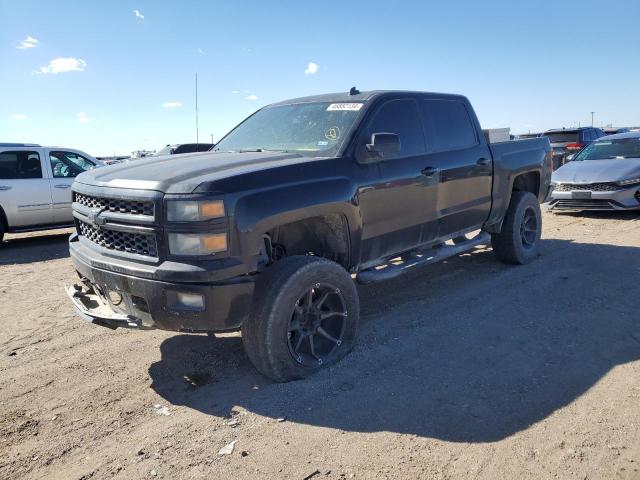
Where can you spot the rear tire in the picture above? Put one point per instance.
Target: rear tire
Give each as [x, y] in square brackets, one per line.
[305, 317]
[518, 241]
[1, 228]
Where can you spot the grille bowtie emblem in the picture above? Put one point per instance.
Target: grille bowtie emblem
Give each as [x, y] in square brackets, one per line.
[95, 218]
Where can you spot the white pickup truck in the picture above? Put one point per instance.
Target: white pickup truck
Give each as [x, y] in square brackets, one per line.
[35, 185]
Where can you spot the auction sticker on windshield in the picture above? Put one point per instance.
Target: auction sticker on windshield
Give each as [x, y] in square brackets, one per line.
[346, 107]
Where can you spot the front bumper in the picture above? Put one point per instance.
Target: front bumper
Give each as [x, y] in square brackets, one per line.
[143, 302]
[623, 199]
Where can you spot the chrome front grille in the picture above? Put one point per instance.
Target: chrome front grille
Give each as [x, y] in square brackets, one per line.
[586, 187]
[137, 243]
[115, 205]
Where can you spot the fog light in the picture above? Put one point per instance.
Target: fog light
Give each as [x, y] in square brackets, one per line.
[185, 301]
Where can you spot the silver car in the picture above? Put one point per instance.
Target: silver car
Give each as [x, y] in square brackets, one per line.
[603, 176]
[35, 185]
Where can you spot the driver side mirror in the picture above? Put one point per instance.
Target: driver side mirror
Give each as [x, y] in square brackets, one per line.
[382, 145]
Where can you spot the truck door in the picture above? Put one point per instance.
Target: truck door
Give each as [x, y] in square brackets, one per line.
[25, 195]
[394, 208]
[463, 164]
[65, 166]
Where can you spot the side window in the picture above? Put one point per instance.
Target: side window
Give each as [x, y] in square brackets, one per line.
[448, 125]
[20, 165]
[68, 164]
[402, 118]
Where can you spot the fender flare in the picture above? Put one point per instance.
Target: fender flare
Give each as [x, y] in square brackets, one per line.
[259, 212]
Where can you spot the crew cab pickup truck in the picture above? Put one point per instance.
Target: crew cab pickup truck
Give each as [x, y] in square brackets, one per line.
[270, 231]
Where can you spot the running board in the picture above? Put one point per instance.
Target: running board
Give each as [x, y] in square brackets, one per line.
[417, 258]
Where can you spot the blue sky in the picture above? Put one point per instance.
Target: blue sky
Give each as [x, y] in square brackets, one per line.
[93, 74]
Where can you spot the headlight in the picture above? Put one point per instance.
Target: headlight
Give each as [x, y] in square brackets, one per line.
[197, 243]
[194, 211]
[630, 181]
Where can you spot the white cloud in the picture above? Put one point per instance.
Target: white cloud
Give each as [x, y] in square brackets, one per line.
[171, 104]
[200, 51]
[312, 68]
[235, 92]
[19, 116]
[252, 97]
[28, 42]
[59, 65]
[138, 14]
[82, 117]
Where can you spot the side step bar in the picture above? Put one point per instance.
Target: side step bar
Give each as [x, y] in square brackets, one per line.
[417, 258]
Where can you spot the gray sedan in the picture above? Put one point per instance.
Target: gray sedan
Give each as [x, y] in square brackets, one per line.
[603, 176]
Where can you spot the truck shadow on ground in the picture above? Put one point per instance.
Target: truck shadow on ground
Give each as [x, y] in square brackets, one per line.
[34, 248]
[467, 351]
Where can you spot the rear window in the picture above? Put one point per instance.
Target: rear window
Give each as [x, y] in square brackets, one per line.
[563, 137]
[448, 124]
[20, 165]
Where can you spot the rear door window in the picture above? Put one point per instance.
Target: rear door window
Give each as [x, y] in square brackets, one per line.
[402, 118]
[16, 165]
[448, 125]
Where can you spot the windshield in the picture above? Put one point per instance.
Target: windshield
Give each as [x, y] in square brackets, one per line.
[565, 137]
[611, 149]
[309, 128]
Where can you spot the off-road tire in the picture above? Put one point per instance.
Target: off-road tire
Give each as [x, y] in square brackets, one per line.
[510, 245]
[265, 334]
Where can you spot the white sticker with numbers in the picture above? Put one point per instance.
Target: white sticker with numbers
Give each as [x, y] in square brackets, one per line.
[345, 107]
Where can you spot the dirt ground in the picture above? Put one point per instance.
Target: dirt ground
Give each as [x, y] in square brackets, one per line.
[465, 369]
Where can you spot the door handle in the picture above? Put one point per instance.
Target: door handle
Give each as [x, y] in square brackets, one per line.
[62, 186]
[483, 162]
[4, 187]
[429, 171]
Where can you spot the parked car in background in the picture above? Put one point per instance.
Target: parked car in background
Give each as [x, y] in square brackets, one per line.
[567, 141]
[114, 159]
[184, 148]
[35, 185]
[525, 136]
[603, 176]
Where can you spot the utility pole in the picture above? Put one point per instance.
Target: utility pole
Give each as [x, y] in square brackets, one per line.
[592, 118]
[197, 138]
[212, 138]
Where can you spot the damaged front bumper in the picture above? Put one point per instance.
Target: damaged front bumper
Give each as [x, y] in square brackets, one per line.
[94, 308]
[119, 299]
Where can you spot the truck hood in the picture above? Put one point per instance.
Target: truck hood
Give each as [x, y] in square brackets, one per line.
[597, 171]
[184, 173]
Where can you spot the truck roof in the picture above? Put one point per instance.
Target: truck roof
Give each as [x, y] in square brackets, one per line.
[358, 97]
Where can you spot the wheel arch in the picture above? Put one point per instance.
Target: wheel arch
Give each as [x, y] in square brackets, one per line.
[519, 181]
[324, 215]
[3, 219]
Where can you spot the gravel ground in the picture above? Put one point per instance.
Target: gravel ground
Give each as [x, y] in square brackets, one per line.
[465, 369]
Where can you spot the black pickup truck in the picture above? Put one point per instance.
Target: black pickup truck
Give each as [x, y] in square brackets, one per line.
[267, 232]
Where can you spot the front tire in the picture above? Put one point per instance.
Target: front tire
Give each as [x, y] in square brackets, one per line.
[518, 241]
[305, 317]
